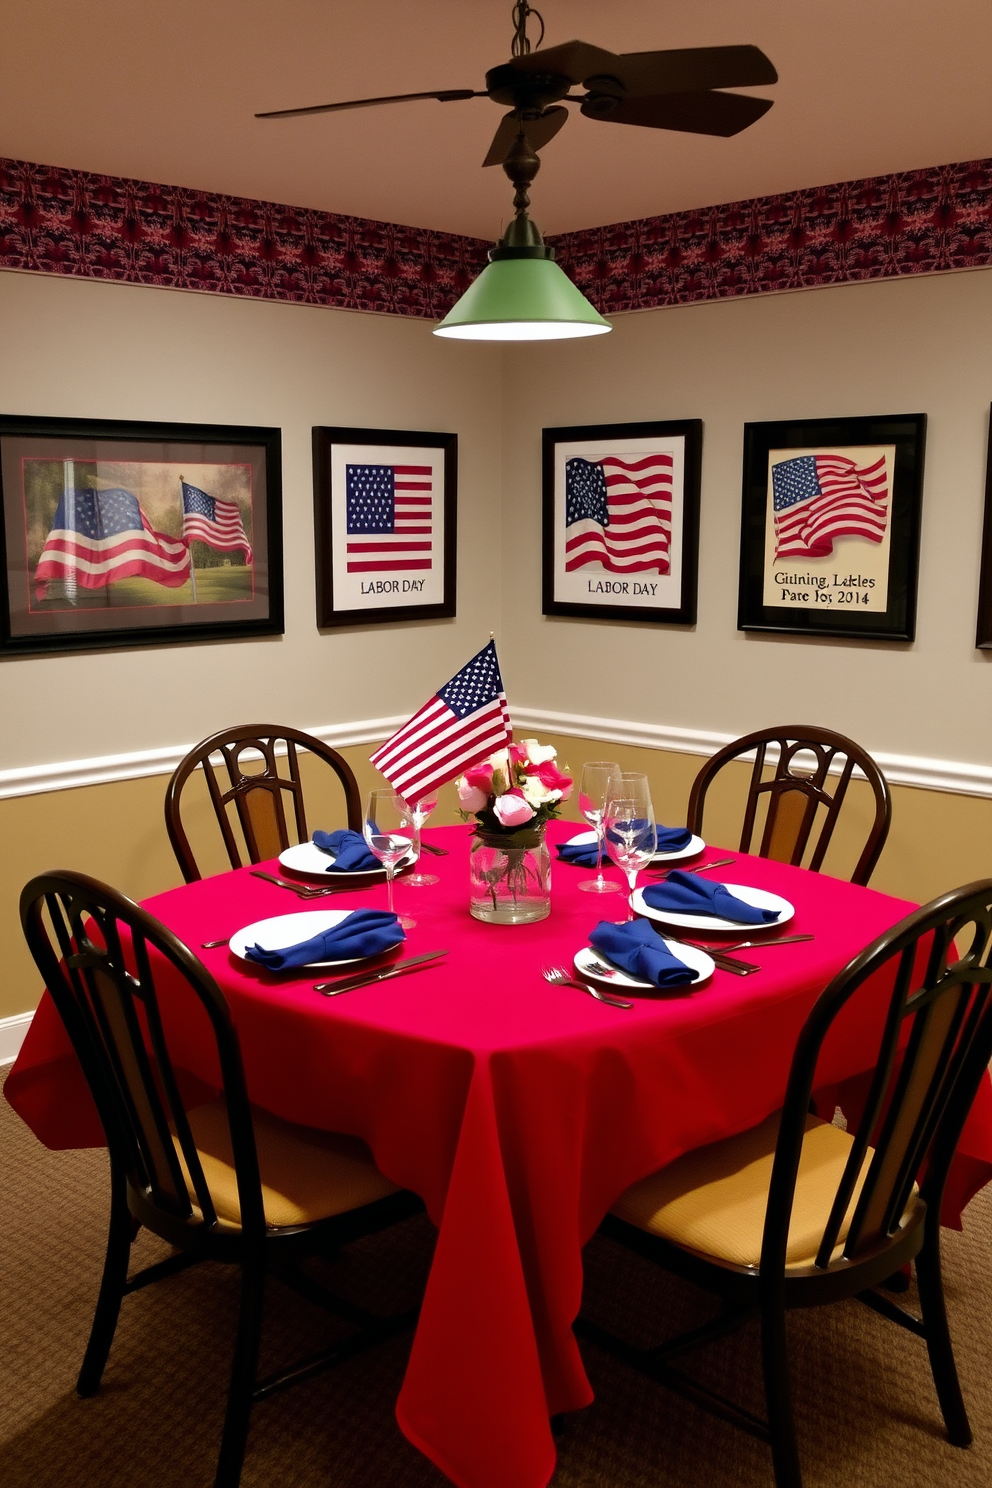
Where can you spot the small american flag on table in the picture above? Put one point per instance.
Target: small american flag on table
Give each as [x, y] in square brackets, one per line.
[217, 523]
[389, 514]
[618, 513]
[819, 498]
[463, 722]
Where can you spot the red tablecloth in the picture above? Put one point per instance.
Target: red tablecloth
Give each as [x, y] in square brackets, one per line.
[519, 1111]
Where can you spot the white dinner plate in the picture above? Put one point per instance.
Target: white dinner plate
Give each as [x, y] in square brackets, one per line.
[691, 850]
[697, 961]
[308, 859]
[759, 898]
[280, 931]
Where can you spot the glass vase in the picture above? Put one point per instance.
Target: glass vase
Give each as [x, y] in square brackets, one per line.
[510, 876]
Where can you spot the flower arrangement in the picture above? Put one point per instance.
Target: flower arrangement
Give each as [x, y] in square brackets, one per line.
[520, 786]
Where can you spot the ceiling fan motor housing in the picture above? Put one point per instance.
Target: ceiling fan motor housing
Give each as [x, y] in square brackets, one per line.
[529, 92]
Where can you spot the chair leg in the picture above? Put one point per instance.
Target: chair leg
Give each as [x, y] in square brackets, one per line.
[938, 1337]
[778, 1396]
[112, 1287]
[243, 1373]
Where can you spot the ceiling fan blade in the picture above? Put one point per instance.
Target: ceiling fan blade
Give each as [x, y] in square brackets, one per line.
[720, 114]
[691, 70]
[538, 131]
[572, 59]
[449, 95]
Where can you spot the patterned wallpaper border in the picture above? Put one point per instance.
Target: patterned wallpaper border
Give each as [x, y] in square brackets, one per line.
[59, 221]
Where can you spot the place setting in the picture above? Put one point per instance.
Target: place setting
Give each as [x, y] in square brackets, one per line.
[600, 781]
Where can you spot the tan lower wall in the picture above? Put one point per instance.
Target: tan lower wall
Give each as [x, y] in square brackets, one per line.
[116, 832]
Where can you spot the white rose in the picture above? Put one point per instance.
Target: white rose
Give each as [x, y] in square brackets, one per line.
[538, 754]
[536, 792]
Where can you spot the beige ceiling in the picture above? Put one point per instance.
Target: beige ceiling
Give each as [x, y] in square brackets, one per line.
[166, 92]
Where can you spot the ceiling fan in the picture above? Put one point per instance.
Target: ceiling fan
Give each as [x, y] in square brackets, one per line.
[523, 295]
[680, 90]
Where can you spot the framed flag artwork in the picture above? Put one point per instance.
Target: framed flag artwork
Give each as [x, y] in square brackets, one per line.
[385, 511]
[137, 534]
[621, 521]
[830, 529]
[983, 639]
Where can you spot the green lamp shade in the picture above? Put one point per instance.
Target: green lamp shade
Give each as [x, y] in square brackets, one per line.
[522, 299]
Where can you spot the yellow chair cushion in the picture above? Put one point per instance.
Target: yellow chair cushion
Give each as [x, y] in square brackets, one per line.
[712, 1200]
[306, 1174]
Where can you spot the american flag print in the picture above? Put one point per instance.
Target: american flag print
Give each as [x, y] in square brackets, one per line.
[217, 523]
[100, 536]
[819, 498]
[389, 518]
[465, 720]
[618, 514]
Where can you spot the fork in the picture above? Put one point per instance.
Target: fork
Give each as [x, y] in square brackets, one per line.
[559, 977]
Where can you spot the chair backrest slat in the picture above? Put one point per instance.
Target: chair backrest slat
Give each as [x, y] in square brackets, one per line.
[253, 799]
[102, 957]
[802, 803]
[934, 1048]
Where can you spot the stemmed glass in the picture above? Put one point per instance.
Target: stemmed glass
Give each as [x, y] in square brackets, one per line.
[598, 781]
[386, 829]
[417, 813]
[631, 835]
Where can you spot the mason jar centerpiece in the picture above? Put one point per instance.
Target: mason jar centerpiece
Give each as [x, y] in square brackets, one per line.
[512, 795]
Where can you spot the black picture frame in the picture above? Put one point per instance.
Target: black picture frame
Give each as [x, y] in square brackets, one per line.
[848, 565]
[415, 578]
[585, 576]
[87, 503]
[983, 637]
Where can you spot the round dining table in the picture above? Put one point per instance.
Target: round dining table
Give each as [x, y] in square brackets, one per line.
[518, 1110]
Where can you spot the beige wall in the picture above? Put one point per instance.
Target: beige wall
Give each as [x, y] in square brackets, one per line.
[74, 347]
[904, 346]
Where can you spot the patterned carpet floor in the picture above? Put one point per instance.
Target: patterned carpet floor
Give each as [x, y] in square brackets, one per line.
[865, 1405]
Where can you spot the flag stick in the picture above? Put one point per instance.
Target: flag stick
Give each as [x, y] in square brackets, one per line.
[189, 544]
[69, 489]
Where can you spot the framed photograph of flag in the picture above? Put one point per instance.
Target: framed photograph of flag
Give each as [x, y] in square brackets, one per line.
[830, 529]
[137, 534]
[983, 638]
[385, 511]
[621, 521]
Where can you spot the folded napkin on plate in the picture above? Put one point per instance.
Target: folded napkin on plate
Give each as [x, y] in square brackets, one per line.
[687, 893]
[365, 932]
[636, 949]
[583, 854]
[348, 849]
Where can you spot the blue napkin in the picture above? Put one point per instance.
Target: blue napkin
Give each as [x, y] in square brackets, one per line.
[350, 853]
[636, 948]
[689, 894]
[583, 854]
[365, 932]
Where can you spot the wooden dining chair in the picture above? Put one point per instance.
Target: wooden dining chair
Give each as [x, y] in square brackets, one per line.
[221, 1181]
[250, 772]
[796, 793]
[797, 1212]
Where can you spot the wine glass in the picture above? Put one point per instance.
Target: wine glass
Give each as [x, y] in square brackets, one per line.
[631, 835]
[388, 831]
[597, 784]
[417, 813]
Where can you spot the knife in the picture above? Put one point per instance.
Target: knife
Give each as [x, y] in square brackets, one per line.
[362, 978]
[305, 891]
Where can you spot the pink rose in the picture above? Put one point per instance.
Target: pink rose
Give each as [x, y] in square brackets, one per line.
[469, 797]
[512, 810]
[480, 778]
[551, 778]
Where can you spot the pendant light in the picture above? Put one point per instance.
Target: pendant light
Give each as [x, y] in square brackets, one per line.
[522, 294]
